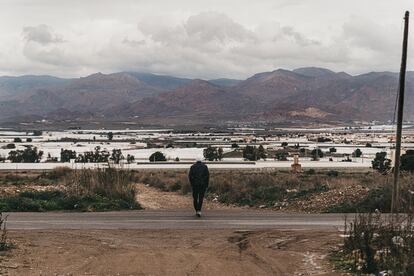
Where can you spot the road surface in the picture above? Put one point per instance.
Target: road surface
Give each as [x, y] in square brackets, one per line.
[179, 219]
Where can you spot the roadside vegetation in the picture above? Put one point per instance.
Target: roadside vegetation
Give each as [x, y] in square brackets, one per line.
[65, 189]
[5, 244]
[311, 191]
[376, 244]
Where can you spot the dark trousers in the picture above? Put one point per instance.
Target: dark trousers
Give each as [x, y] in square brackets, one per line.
[198, 196]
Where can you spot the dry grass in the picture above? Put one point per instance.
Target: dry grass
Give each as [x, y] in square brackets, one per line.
[110, 183]
[268, 188]
[375, 243]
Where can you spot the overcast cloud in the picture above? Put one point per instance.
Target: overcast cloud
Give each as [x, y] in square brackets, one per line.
[203, 39]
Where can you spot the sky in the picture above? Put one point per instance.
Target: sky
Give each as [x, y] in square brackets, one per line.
[200, 39]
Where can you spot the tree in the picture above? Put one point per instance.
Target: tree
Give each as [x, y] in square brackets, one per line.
[157, 157]
[97, 156]
[281, 156]
[29, 140]
[234, 145]
[250, 153]
[332, 150]
[220, 153]
[323, 140]
[110, 136]
[10, 146]
[67, 155]
[213, 153]
[368, 145]
[357, 153]
[284, 144]
[381, 163]
[37, 132]
[17, 140]
[407, 161]
[28, 155]
[316, 154]
[116, 156]
[130, 158]
[261, 153]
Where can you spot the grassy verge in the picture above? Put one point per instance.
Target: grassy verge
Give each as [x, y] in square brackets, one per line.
[80, 190]
[34, 201]
[281, 188]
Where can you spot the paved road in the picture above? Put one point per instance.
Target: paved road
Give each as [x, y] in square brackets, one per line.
[174, 220]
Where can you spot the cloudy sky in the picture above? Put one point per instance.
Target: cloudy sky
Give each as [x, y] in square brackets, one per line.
[203, 39]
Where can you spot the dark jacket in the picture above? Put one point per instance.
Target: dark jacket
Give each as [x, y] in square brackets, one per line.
[199, 175]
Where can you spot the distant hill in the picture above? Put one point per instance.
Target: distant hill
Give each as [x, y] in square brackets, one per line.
[225, 82]
[160, 81]
[303, 95]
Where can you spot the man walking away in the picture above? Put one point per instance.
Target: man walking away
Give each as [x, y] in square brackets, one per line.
[199, 177]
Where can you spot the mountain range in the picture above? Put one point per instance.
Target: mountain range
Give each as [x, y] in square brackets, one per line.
[302, 95]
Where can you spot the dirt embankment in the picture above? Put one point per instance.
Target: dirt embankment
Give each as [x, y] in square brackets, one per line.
[168, 252]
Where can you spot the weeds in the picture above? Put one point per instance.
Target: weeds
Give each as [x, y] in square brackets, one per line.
[82, 190]
[110, 183]
[377, 243]
[58, 200]
[4, 243]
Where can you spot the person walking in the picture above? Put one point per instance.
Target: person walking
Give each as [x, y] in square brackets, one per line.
[199, 177]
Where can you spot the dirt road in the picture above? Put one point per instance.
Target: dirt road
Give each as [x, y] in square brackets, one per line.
[169, 252]
[164, 240]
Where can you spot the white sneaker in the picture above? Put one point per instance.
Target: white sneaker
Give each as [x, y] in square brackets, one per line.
[198, 213]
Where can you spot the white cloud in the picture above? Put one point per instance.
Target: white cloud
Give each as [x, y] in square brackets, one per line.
[198, 39]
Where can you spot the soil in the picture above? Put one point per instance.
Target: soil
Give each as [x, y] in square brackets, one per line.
[168, 252]
[151, 198]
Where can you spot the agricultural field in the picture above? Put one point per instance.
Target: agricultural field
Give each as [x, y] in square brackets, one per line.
[340, 147]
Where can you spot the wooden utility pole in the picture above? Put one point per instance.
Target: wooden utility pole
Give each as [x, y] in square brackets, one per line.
[395, 206]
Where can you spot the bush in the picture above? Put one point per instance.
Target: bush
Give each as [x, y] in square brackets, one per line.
[213, 153]
[17, 140]
[374, 243]
[316, 154]
[96, 156]
[29, 140]
[109, 183]
[67, 155]
[381, 163]
[252, 153]
[407, 161]
[332, 173]
[357, 153]
[84, 190]
[157, 157]
[28, 155]
[10, 146]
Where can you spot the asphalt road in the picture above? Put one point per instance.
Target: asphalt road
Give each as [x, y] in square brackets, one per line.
[175, 220]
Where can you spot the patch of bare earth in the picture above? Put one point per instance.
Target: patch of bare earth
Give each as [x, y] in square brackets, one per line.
[169, 252]
[154, 199]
